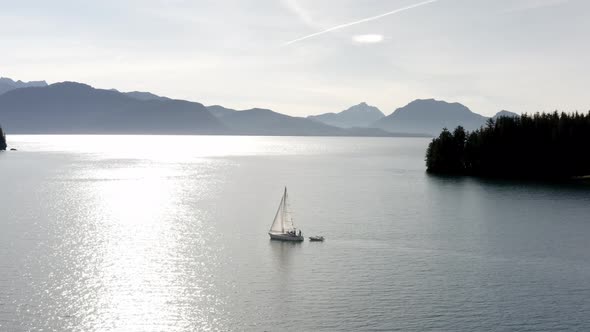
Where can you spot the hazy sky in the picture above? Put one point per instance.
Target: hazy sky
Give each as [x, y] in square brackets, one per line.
[520, 55]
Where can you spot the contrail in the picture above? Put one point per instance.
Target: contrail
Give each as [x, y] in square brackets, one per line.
[338, 27]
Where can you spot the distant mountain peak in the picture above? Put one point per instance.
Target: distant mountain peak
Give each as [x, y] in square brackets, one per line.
[8, 84]
[505, 113]
[433, 106]
[433, 101]
[430, 116]
[363, 107]
[7, 80]
[360, 115]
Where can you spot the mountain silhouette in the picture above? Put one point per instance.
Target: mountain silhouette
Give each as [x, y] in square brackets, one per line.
[76, 108]
[71, 107]
[505, 113]
[7, 84]
[259, 121]
[429, 116]
[361, 115]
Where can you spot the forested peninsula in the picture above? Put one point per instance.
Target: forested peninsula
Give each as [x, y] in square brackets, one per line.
[540, 146]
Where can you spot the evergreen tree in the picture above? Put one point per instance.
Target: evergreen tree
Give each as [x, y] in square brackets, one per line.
[2, 140]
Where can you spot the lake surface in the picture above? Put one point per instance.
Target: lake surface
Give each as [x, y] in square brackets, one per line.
[168, 233]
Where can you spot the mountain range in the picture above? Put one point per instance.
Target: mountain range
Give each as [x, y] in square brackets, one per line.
[258, 121]
[76, 108]
[421, 116]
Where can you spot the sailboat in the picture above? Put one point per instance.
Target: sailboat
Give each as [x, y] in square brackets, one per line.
[282, 227]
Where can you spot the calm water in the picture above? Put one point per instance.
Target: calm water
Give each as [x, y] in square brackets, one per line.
[132, 233]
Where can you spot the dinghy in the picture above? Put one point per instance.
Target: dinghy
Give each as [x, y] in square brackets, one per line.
[316, 238]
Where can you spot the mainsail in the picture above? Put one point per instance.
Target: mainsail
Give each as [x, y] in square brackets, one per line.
[283, 222]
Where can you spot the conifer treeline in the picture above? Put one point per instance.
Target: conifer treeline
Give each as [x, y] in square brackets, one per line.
[2, 140]
[547, 145]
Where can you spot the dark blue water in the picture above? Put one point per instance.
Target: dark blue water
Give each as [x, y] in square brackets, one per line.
[133, 233]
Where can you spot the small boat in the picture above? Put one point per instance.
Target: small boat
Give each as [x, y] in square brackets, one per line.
[316, 238]
[282, 227]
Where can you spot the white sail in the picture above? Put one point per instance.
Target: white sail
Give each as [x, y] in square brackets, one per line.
[283, 221]
[287, 217]
[277, 224]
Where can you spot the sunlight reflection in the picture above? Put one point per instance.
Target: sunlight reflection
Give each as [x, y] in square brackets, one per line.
[168, 147]
[140, 219]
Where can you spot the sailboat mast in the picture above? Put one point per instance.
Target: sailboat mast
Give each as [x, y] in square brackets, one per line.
[284, 210]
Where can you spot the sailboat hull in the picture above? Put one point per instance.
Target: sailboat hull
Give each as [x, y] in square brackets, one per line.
[286, 237]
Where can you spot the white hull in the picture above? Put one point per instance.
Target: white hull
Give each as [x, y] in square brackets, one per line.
[286, 237]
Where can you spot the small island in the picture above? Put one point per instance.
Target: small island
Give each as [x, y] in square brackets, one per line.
[542, 146]
[2, 140]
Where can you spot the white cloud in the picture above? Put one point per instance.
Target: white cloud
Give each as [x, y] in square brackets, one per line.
[368, 39]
